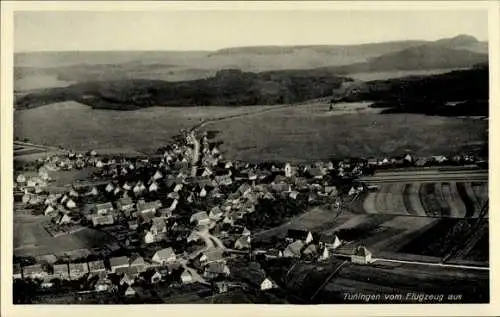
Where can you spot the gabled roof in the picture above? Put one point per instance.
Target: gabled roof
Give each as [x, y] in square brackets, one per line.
[217, 268]
[202, 215]
[213, 256]
[295, 247]
[119, 261]
[362, 251]
[165, 253]
[107, 205]
[96, 265]
[297, 234]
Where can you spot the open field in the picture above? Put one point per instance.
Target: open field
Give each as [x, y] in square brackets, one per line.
[31, 238]
[291, 133]
[331, 281]
[426, 199]
[312, 132]
[76, 126]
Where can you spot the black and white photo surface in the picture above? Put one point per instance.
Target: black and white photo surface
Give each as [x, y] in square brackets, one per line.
[251, 157]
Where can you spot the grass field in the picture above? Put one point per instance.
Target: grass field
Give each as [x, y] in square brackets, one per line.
[31, 239]
[447, 199]
[293, 133]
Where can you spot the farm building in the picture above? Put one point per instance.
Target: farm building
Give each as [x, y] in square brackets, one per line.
[267, 284]
[104, 209]
[34, 271]
[61, 271]
[187, 277]
[102, 220]
[200, 218]
[294, 249]
[127, 279]
[303, 235]
[216, 269]
[164, 256]
[361, 255]
[77, 270]
[96, 266]
[118, 262]
[243, 242]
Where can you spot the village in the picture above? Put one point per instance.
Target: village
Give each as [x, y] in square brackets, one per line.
[185, 217]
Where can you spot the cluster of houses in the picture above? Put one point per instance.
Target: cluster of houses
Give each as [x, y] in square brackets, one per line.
[187, 188]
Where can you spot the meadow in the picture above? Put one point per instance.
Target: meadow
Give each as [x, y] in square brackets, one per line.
[446, 199]
[295, 133]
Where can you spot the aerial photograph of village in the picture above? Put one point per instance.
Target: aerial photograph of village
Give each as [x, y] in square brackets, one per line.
[236, 157]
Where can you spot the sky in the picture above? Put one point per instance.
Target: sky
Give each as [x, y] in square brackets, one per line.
[212, 30]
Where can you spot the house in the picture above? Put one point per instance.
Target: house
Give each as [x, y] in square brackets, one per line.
[127, 279]
[109, 188]
[408, 158]
[330, 241]
[203, 192]
[21, 179]
[193, 237]
[215, 213]
[153, 187]
[34, 271]
[138, 263]
[103, 285]
[118, 262]
[139, 188]
[289, 172]
[294, 249]
[164, 256]
[267, 284]
[187, 277]
[130, 291]
[325, 254]
[158, 226]
[104, 209]
[96, 266]
[49, 210]
[148, 207]
[93, 192]
[65, 219]
[126, 186]
[17, 271]
[221, 287]
[151, 237]
[310, 250]
[211, 256]
[102, 220]
[244, 188]
[61, 271]
[303, 235]
[125, 204]
[243, 242]
[77, 270]
[157, 175]
[133, 224]
[156, 277]
[200, 218]
[70, 204]
[317, 172]
[216, 269]
[361, 255]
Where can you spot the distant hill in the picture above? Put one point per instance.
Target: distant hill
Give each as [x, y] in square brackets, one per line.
[57, 69]
[428, 56]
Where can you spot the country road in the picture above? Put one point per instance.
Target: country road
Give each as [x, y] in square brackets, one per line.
[426, 176]
[456, 266]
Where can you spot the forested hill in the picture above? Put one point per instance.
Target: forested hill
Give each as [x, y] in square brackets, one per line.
[226, 88]
[460, 92]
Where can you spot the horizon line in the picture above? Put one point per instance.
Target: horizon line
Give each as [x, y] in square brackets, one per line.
[240, 46]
